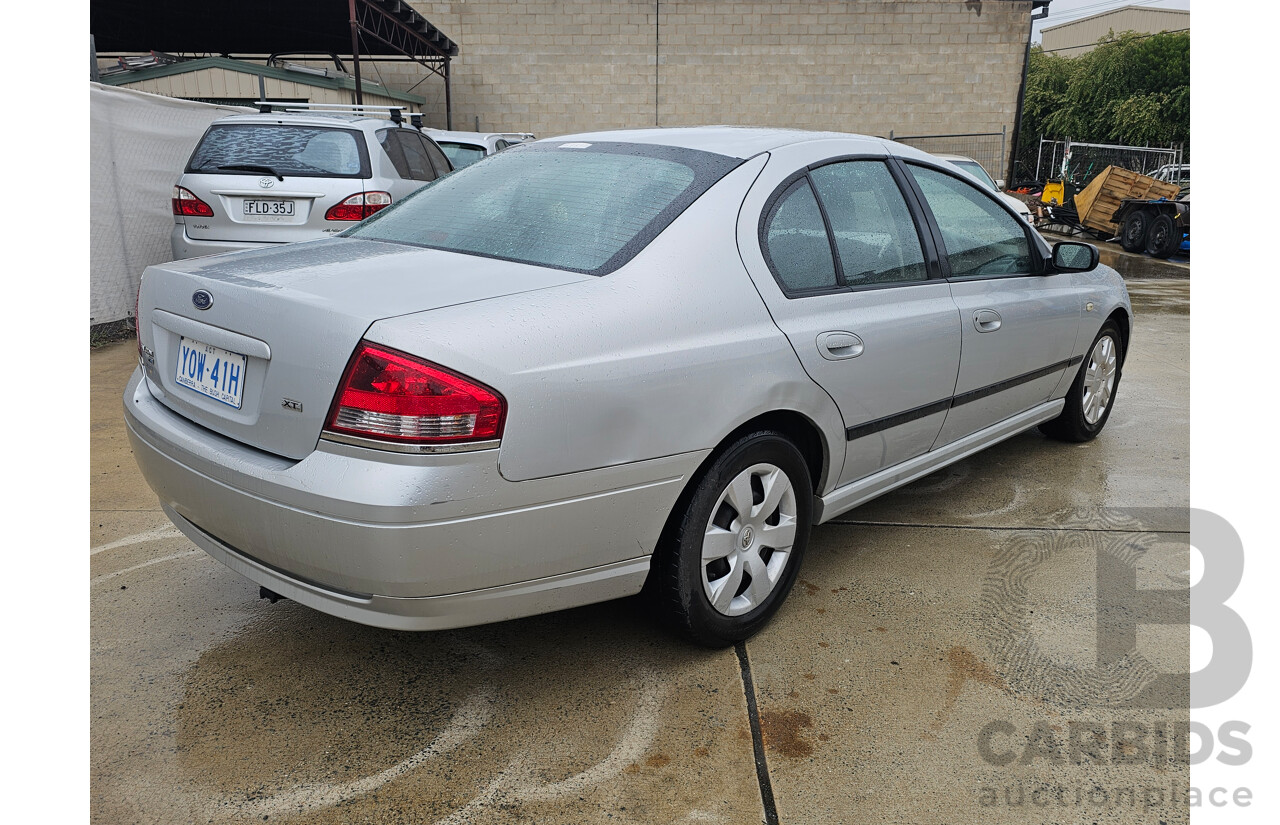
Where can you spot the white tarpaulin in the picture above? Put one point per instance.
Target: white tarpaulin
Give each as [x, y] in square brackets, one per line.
[138, 145]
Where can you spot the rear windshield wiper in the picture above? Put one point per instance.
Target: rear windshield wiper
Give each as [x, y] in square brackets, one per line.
[251, 167]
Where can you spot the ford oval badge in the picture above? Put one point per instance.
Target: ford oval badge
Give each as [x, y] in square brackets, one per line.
[202, 299]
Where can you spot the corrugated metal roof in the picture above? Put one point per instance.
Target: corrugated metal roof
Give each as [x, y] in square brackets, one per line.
[230, 64]
[1121, 10]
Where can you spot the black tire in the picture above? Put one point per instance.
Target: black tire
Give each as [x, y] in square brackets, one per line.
[1133, 234]
[677, 575]
[1163, 237]
[1073, 424]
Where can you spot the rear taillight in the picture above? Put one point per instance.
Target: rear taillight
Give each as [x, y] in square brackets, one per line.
[390, 396]
[358, 207]
[186, 203]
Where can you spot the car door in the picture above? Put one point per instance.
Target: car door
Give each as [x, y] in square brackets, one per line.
[1018, 323]
[844, 268]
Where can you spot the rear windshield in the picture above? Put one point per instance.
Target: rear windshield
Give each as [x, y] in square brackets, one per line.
[461, 154]
[974, 168]
[584, 207]
[304, 151]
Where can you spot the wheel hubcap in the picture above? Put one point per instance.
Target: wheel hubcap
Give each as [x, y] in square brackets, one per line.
[748, 539]
[1099, 379]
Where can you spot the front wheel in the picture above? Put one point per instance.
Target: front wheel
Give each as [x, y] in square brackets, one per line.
[728, 560]
[1093, 393]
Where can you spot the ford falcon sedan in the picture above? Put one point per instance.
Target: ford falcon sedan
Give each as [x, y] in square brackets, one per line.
[601, 364]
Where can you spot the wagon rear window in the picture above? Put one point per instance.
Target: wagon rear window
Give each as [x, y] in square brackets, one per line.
[461, 154]
[582, 207]
[304, 151]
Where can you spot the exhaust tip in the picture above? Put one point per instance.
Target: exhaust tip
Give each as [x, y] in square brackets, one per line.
[270, 595]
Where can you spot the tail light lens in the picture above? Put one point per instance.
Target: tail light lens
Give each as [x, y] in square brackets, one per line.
[390, 396]
[186, 203]
[358, 207]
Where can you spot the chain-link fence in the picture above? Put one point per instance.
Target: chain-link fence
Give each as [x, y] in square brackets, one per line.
[987, 148]
[1078, 163]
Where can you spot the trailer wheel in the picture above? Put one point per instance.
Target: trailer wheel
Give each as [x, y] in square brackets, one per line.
[1133, 235]
[1162, 237]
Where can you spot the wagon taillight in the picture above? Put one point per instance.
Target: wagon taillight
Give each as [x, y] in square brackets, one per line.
[185, 202]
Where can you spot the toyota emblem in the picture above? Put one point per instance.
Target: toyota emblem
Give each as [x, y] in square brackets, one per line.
[266, 183]
[202, 299]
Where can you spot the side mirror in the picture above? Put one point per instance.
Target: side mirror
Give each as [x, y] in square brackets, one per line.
[1073, 256]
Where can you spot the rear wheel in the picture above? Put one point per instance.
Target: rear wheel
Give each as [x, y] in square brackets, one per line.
[728, 560]
[1093, 392]
[1133, 235]
[1163, 237]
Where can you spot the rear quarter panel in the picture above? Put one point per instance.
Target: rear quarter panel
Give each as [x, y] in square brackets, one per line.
[666, 355]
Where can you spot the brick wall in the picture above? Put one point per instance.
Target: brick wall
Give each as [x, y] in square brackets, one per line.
[869, 66]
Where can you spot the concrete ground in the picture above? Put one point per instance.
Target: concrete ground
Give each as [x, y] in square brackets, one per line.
[938, 661]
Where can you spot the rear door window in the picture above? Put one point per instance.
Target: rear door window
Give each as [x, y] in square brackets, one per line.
[286, 149]
[415, 155]
[876, 238]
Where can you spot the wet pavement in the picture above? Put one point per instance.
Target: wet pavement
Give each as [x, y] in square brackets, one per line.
[937, 662]
[1132, 265]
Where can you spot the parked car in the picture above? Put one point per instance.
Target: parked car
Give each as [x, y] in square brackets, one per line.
[603, 360]
[465, 148]
[976, 169]
[258, 180]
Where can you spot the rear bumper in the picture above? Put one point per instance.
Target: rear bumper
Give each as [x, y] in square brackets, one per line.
[405, 542]
[185, 247]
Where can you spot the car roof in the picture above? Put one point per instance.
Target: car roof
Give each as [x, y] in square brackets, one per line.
[733, 141]
[313, 119]
[463, 137]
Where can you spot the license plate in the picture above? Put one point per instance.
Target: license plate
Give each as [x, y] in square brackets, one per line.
[262, 209]
[212, 371]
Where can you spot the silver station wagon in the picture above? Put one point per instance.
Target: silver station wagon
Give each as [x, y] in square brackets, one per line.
[297, 172]
[605, 363]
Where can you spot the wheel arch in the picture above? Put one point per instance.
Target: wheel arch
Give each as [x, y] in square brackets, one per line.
[796, 426]
[1121, 319]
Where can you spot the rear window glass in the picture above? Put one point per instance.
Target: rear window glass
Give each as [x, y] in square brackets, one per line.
[974, 168]
[585, 207]
[461, 154]
[304, 151]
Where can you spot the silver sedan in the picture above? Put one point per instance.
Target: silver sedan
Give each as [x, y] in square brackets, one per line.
[605, 363]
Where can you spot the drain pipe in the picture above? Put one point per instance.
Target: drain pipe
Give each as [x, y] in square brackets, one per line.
[1043, 6]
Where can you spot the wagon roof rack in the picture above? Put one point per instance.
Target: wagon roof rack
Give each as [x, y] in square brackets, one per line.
[395, 113]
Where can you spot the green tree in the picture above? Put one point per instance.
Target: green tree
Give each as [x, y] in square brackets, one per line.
[1131, 88]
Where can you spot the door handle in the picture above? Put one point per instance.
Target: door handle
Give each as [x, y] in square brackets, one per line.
[986, 320]
[838, 344]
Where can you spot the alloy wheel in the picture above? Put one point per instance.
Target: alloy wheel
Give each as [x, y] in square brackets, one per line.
[1099, 379]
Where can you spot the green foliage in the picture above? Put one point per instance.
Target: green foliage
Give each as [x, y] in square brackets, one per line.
[1132, 88]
